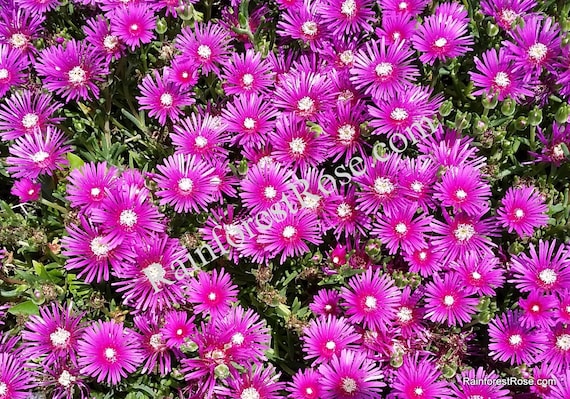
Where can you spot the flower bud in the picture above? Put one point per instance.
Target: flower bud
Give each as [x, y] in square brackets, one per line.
[188, 347]
[508, 107]
[521, 123]
[222, 371]
[492, 29]
[562, 114]
[462, 120]
[161, 26]
[396, 361]
[449, 370]
[446, 108]
[478, 16]
[489, 102]
[535, 116]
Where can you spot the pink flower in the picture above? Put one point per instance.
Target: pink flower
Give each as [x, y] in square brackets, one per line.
[447, 302]
[89, 185]
[134, 25]
[26, 189]
[463, 189]
[212, 293]
[205, 47]
[523, 210]
[326, 337]
[247, 74]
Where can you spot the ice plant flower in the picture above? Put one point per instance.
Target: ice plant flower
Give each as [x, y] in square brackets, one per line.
[400, 229]
[479, 274]
[325, 337]
[304, 23]
[396, 27]
[154, 349]
[98, 34]
[108, 352]
[507, 12]
[425, 261]
[205, 46]
[552, 150]
[447, 302]
[212, 293]
[201, 135]
[342, 132]
[538, 310]
[305, 385]
[177, 329]
[90, 184]
[557, 348]
[419, 378]
[264, 186]
[38, 6]
[133, 25]
[523, 210]
[26, 190]
[347, 16]
[247, 74]
[12, 65]
[15, 382]
[326, 302]
[465, 390]
[409, 8]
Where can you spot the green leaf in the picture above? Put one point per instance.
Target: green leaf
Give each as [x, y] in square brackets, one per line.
[24, 308]
[75, 162]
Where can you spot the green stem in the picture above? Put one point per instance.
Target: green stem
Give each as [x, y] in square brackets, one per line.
[209, 10]
[532, 138]
[54, 206]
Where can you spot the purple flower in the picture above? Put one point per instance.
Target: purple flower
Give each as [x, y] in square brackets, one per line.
[347, 16]
[26, 190]
[98, 34]
[419, 378]
[327, 337]
[89, 185]
[14, 380]
[212, 293]
[205, 47]
[466, 390]
[522, 210]
[247, 74]
[152, 342]
[201, 135]
[506, 12]
[447, 301]
[304, 23]
[12, 64]
[133, 25]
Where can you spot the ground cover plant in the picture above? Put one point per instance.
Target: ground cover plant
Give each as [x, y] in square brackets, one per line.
[284, 199]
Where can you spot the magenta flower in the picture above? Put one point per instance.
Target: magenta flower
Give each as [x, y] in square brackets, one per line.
[154, 349]
[133, 25]
[557, 348]
[552, 151]
[523, 210]
[466, 390]
[264, 186]
[205, 47]
[513, 343]
[417, 179]
[344, 215]
[109, 352]
[305, 385]
[543, 270]
[19, 27]
[247, 74]
[327, 337]
[38, 154]
[256, 382]
[382, 71]
[399, 229]
[12, 65]
[325, 302]
[212, 293]
[425, 261]
[201, 135]
[463, 189]
[303, 22]
[410, 315]
[342, 133]
[562, 310]
[163, 99]
[184, 182]
[347, 16]
[507, 12]
[26, 190]
[538, 310]
[447, 302]
[396, 27]
[410, 8]
[479, 275]
[419, 378]
[372, 299]
[15, 382]
[89, 185]
[178, 327]
[38, 6]
[350, 376]
[182, 72]
[98, 34]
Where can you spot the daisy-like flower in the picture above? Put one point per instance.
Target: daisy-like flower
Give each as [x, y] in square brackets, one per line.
[26, 190]
[14, 380]
[372, 299]
[38, 6]
[38, 154]
[89, 252]
[295, 145]
[441, 37]
[325, 303]
[108, 352]
[398, 229]
[382, 71]
[552, 151]
[326, 337]
[350, 376]
[257, 382]
[133, 25]
[304, 23]
[98, 34]
[562, 310]
[182, 72]
[405, 113]
[557, 348]
[184, 182]
[347, 16]
[153, 345]
[417, 178]
[535, 45]
[12, 65]
[162, 98]
[205, 46]
[545, 388]
[448, 149]
[513, 343]
[251, 118]
[178, 327]
[201, 135]
[506, 12]
[212, 293]
[52, 335]
[537, 310]
[305, 93]
[463, 390]
[89, 185]
[426, 261]
[290, 235]
[342, 133]
[447, 302]
[62, 381]
[463, 189]
[27, 112]
[419, 378]
[522, 210]
[396, 27]
[543, 270]
[247, 74]
[495, 75]
[479, 275]
[149, 282]
[19, 27]
[410, 8]
[125, 214]
[461, 234]
[72, 70]
[410, 315]
[305, 385]
[344, 214]
[264, 186]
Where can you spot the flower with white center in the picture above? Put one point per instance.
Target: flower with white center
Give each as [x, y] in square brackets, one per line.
[185, 185]
[558, 152]
[440, 43]
[476, 275]
[310, 28]
[250, 393]
[200, 141]
[166, 100]
[134, 27]
[515, 340]
[289, 232]
[383, 186]
[349, 385]
[346, 134]
[448, 300]
[306, 105]
[502, 80]
[330, 345]
[77, 76]
[418, 391]
[212, 296]
[460, 195]
[66, 379]
[98, 247]
[405, 314]
[535, 308]
[563, 342]
[30, 120]
[384, 70]
[403, 6]
[399, 114]
[95, 192]
[417, 186]
[508, 16]
[60, 338]
[154, 273]
[110, 354]
[344, 210]
[548, 276]
[348, 8]
[401, 228]
[537, 52]
[423, 255]
[297, 146]
[3, 388]
[269, 192]
[311, 201]
[247, 80]
[205, 52]
[370, 303]
[156, 341]
[40, 157]
[346, 57]
[128, 218]
[238, 338]
[249, 123]
[4, 74]
[110, 42]
[464, 232]
[19, 40]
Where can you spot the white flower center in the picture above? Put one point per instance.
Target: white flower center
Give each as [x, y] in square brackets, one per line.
[31, 191]
[346, 134]
[180, 331]
[347, 57]
[384, 69]
[110, 355]
[110, 42]
[460, 194]
[519, 213]
[417, 186]
[95, 192]
[3, 388]
[403, 6]
[311, 201]
[563, 342]
[502, 80]
[396, 36]
[464, 231]
[548, 276]
[185, 185]
[309, 391]
[508, 16]
[348, 8]
[440, 43]
[205, 52]
[515, 339]
[201, 142]
[418, 391]
[3, 74]
[349, 385]
[535, 308]
[134, 27]
[399, 114]
[568, 309]
[558, 152]
[77, 75]
[370, 302]
[269, 192]
[250, 393]
[344, 210]
[383, 186]
[212, 296]
[60, 338]
[297, 146]
[265, 161]
[476, 275]
[98, 247]
[423, 255]
[156, 341]
[238, 338]
[128, 218]
[448, 300]
[310, 28]
[154, 272]
[18, 40]
[249, 123]
[247, 79]
[405, 314]
[330, 345]
[328, 308]
[289, 231]
[65, 379]
[537, 52]
[40, 156]
[306, 104]
[166, 100]
[30, 120]
[232, 229]
[401, 228]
